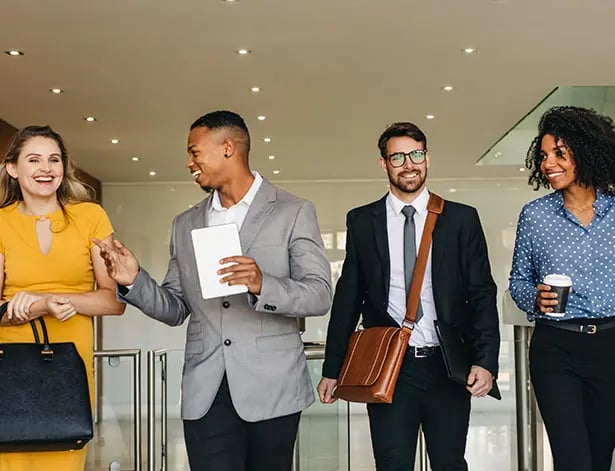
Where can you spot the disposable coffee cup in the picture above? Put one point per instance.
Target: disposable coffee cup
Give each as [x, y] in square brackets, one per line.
[561, 285]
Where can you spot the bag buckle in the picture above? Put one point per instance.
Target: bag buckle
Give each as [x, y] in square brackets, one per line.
[417, 354]
[409, 325]
[47, 353]
[589, 329]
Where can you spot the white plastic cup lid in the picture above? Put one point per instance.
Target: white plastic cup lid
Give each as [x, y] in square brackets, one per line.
[557, 280]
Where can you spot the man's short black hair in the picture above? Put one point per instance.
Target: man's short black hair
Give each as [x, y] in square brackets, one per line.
[410, 130]
[220, 119]
[224, 119]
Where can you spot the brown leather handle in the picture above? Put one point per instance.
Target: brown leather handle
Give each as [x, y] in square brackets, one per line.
[434, 208]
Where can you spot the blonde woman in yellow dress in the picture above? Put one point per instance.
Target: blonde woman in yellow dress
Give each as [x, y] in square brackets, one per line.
[48, 264]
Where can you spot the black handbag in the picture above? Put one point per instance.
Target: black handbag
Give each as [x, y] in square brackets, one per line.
[44, 396]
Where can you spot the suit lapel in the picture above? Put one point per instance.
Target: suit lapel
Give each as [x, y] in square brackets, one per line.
[379, 223]
[261, 207]
[200, 213]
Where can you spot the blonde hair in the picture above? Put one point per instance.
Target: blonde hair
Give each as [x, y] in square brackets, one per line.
[71, 190]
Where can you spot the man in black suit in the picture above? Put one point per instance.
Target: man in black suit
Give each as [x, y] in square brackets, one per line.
[457, 289]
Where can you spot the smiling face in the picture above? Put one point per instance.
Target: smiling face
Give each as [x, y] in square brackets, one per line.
[206, 157]
[557, 163]
[39, 169]
[409, 179]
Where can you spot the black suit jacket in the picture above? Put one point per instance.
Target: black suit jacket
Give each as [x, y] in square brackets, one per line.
[463, 288]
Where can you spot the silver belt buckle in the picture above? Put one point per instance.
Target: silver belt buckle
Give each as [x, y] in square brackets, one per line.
[589, 329]
[417, 354]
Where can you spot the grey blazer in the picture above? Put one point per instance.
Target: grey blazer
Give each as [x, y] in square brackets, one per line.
[255, 340]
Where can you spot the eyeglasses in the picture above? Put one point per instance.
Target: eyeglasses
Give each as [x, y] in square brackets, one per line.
[416, 156]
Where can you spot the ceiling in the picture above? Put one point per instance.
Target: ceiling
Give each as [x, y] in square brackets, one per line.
[333, 74]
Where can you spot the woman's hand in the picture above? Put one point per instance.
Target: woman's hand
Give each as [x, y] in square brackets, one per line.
[59, 307]
[18, 310]
[545, 298]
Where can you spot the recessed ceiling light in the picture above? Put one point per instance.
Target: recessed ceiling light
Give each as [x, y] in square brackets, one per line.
[135, 159]
[452, 190]
[468, 50]
[243, 52]
[152, 173]
[255, 89]
[276, 172]
[90, 119]
[497, 155]
[429, 116]
[447, 88]
[230, 1]
[267, 139]
[115, 141]
[272, 157]
[14, 52]
[522, 169]
[56, 91]
[261, 118]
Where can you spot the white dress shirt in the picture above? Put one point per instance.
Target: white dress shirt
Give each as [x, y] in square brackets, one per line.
[424, 333]
[217, 214]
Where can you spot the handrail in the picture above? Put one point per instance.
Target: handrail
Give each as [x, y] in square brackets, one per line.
[152, 356]
[313, 351]
[135, 355]
[316, 351]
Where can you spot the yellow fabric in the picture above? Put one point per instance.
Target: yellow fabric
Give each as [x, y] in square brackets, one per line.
[67, 268]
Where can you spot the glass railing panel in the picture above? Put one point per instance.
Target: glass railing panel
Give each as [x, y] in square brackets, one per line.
[492, 442]
[117, 437]
[322, 442]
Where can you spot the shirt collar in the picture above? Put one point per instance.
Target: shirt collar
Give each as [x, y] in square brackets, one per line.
[419, 203]
[247, 199]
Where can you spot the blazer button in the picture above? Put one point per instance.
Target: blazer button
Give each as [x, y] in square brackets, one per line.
[227, 342]
[226, 304]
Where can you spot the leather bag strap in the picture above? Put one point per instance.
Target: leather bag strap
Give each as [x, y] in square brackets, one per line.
[46, 350]
[434, 208]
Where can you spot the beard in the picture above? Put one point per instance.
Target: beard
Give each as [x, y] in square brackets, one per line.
[407, 186]
[207, 189]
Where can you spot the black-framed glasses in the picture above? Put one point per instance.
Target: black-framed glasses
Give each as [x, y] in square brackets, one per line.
[416, 156]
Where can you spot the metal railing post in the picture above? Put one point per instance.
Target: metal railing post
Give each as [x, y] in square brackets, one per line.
[422, 452]
[152, 356]
[527, 457]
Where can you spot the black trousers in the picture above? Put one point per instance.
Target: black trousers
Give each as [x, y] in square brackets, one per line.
[423, 396]
[223, 441]
[573, 376]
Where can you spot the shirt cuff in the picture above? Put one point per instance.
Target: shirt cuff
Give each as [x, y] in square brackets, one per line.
[124, 290]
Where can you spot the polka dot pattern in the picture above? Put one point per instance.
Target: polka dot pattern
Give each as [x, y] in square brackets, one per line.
[550, 239]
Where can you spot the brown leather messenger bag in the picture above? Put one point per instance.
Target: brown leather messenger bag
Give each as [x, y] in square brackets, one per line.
[374, 355]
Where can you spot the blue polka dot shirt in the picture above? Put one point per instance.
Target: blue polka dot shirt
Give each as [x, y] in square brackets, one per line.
[550, 239]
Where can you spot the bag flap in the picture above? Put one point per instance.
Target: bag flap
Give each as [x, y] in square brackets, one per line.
[367, 353]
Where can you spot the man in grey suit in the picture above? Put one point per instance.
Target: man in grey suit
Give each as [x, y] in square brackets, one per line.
[245, 379]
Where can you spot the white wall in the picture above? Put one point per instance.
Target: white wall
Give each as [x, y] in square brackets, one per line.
[142, 214]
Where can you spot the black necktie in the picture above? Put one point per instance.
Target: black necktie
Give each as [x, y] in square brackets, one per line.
[410, 252]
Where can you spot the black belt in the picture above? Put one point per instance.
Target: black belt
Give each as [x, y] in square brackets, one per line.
[423, 352]
[584, 326]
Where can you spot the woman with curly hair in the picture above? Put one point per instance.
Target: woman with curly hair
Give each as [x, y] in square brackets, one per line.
[49, 265]
[571, 231]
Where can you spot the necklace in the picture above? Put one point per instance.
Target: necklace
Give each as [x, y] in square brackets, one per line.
[580, 208]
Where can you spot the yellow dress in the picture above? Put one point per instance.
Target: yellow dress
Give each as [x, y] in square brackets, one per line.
[67, 268]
